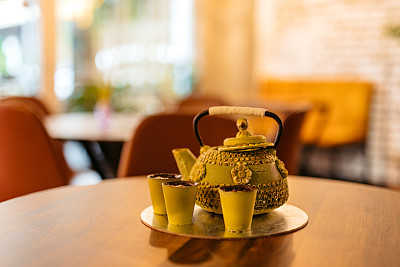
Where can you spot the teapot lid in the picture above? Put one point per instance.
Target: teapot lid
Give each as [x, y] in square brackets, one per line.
[244, 140]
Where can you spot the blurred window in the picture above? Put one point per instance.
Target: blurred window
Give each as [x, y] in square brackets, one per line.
[20, 52]
[136, 53]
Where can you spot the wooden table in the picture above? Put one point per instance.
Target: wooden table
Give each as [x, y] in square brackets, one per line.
[103, 144]
[349, 225]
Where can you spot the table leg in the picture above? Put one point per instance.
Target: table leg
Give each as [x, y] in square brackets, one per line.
[99, 159]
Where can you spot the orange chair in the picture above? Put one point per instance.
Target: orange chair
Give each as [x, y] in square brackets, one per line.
[150, 148]
[32, 103]
[196, 103]
[36, 107]
[28, 160]
[290, 145]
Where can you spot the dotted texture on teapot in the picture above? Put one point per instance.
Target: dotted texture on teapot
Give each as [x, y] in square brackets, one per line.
[269, 196]
[199, 172]
[255, 157]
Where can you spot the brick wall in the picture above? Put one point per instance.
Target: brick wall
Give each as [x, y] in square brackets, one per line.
[340, 40]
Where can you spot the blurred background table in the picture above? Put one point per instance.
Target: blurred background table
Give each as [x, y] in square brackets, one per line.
[103, 140]
[85, 126]
[349, 225]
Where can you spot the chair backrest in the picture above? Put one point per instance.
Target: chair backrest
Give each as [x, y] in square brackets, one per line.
[150, 148]
[290, 146]
[28, 161]
[31, 103]
[36, 107]
[196, 103]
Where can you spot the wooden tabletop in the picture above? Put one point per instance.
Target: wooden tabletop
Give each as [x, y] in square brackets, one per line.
[86, 126]
[99, 225]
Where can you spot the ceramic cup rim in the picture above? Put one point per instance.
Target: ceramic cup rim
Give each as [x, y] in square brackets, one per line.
[180, 182]
[230, 188]
[164, 176]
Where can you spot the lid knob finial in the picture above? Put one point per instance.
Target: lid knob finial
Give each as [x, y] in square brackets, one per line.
[244, 140]
[242, 125]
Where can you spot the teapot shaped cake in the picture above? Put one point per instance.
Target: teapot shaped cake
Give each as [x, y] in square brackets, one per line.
[244, 159]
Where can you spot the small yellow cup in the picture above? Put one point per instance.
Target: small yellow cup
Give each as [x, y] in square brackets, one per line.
[237, 203]
[180, 197]
[156, 193]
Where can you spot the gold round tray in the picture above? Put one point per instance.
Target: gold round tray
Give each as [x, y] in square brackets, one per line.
[285, 219]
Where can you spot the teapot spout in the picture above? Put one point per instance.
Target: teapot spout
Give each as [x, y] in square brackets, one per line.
[185, 160]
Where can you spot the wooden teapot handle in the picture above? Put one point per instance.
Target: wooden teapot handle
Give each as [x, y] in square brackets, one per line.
[219, 110]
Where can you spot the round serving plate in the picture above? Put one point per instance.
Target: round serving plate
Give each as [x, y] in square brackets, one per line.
[285, 219]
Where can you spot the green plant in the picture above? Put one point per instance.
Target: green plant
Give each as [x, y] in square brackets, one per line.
[394, 31]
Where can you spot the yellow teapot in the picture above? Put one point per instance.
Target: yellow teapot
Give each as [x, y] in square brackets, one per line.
[244, 159]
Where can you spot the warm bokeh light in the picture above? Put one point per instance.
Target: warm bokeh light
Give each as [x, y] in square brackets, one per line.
[78, 11]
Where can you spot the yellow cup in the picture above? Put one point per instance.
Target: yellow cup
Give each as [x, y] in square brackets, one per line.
[237, 203]
[180, 197]
[156, 193]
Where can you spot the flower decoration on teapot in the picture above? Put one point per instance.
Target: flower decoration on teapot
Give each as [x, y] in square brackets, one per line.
[241, 174]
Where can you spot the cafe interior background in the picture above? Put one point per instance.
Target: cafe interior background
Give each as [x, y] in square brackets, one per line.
[341, 57]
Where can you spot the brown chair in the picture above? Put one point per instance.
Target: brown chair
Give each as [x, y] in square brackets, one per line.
[36, 107]
[290, 145]
[32, 103]
[150, 148]
[28, 160]
[196, 103]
